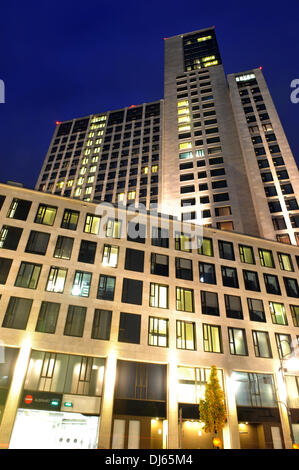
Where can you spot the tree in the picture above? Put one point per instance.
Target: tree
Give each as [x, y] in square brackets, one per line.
[212, 410]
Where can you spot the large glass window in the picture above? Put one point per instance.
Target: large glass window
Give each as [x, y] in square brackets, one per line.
[160, 237]
[209, 303]
[132, 291]
[266, 258]
[19, 209]
[251, 280]
[70, 219]
[295, 314]
[81, 284]
[113, 228]
[184, 299]
[192, 382]
[101, 324]
[229, 277]
[110, 256]
[254, 390]
[291, 286]
[256, 310]
[129, 328]
[272, 284]
[106, 287]
[63, 248]
[183, 269]
[246, 254]
[37, 243]
[284, 344]
[159, 264]
[278, 313]
[28, 275]
[285, 262]
[226, 250]
[87, 251]
[158, 332]
[205, 246]
[207, 273]
[182, 242]
[5, 265]
[92, 224]
[10, 237]
[185, 335]
[233, 306]
[134, 260]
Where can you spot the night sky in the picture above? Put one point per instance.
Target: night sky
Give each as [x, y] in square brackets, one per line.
[66, 59]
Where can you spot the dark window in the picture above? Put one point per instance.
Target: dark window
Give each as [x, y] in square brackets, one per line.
[106, 287]
[134, 260]
[129, 328]
[75, 320]
[2, 199]
[87, 251]
[251, 280]
[101, 324]
[159, 264]
[37, 243]
[291, 286]
[233, 306]
[229, 276]
[207, 273]
[209, 303]
[237, 341]
[132, 291]
[47, 317]
[256, 310]
[28, 275]
[70, 219]
[5, 265]
[226, 250]
[160, 237]
[19, 209]
[17, 313]
[221, 197]
[10, 237]
[63, 248]
[272, 284]
[183, 269]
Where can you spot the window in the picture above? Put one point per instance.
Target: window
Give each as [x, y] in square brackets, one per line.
[246, 254]
[10, 237]
[184, 299]
[5, 265]
[17, 313]
[266, 258]
[278, 313]
[136, 232]
[212, 338]
[182, 242]
[183, 269]
[159, 264]
[256, 310]
[291, 286]
[70, 219]
[185, 335]
[233, 306]
[47, 317]
[284, 344]
[56, 279]
[207, 273]
[129, 328]
[158, 332]
[226, 250]
[110, 256]
[205, 246]
[237, 341]
[209, 303]
[63, 248]
[75, 320]
[229, 277]
[132, 291]
[158, 295]
[134, 260]
[81, 284]
[251, 280]
[272, 284]
[19, 209]
[92, 224]
[101, 325]
[45, 215]
[28, 275]
[254, 390]
[87, 252]
[113, 228]
[37, 243]
[295, 314]
[160, 237]
[261, 342]
[106, 287]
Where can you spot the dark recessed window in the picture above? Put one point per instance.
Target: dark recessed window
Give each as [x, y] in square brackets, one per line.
[101, 324]
[251, 280]
[70, 219]
[226, 250]
[47, 317]
[75, 320]
[28, 275]
[136, 232]
[160, 237]
[63, 248]
[5, 265]
[17, 313]
[256, 310]
[87, 252]
[37, 243]
[19, 209]
[291, 286]
[183, 269]
[207, 273]
[132, 291]
[233, 306]
[134, 260]
[209, 303]
[159, 264]
[229, 276]
[129, 328]
[10, 237]
[106, 287]
[272, 284]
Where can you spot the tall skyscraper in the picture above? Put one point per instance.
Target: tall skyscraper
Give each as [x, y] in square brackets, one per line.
[112, 319]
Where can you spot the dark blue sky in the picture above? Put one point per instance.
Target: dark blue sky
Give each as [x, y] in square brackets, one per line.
[65, 59]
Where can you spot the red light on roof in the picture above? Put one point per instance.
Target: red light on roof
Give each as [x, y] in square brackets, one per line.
[261, 68]
[132, 106]
[58, 122]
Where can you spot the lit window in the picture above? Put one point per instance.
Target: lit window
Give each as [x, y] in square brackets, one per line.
[205, 246]
[183, 111]
[183, 103]
[92, 224]
[78, 192]
[88, 190]
[87, 152]
[278, 313]
[237, 341]
[94, 159]
[200, 153]
[184, 127]
[144, 170]
[213, 62]
[184, 300]
[158, 295]
[185, 335]
[89, 143]
[185, 145]
[110, 256]
[204, 38]
[60, 185]
[45, 215]
[184, 119]
[84, 161]
[70, 183]
[98, 141]
[266, 258]
[131, 195]
[158, 332]
[155, 168]
[82, 170]
[285, 262]
[212, 338]
[80, 181]
[81, 284]
[92, 169]
[120, 197]
[90, 179]
[208, 58]
[113, 228]
[97, 150]
[56, 280]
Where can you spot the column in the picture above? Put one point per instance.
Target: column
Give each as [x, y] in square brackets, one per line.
[172, 404]
[231, 437]
[107, 403]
